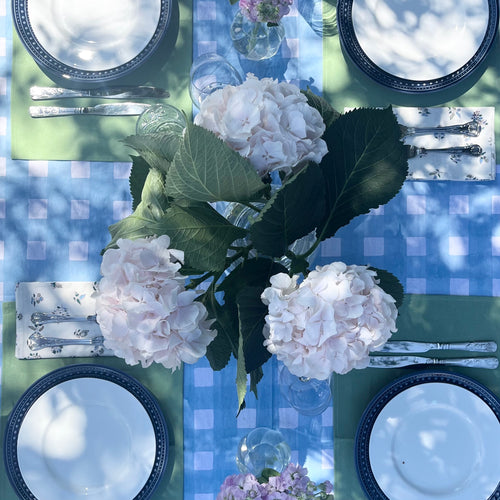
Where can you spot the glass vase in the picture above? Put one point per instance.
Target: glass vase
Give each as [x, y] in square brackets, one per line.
[308, 396]
[256, 40]
[262, 448]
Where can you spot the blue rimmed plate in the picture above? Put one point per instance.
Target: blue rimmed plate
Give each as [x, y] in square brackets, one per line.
[86, 431]
[91, 40]
[417, 47]
[430, 435]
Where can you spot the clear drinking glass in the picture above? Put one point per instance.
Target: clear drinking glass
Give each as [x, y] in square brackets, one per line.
[161, 118]
[308, 396]
[211, 72]
[262, 448]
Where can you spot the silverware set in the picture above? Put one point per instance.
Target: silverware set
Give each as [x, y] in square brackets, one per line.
[411, 348]
[113, 109]
[36, 341]
[469, 129]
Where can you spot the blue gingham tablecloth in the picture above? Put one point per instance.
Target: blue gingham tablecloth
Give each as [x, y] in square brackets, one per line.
[437, 238]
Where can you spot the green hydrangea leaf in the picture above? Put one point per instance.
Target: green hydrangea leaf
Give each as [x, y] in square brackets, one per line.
[251, 314]
[146, 219]
[205, 169]
[292, 212]
[202, 233]
[241, 376]
[137, 179]
[326, 111]
[364, 168]
[391, 285]
[156, 149]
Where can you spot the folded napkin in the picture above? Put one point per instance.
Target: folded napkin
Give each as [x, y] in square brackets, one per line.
[61, 299]
[447, 166]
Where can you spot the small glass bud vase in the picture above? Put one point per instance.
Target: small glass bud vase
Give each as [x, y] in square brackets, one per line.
[256, 40]
[262, 448]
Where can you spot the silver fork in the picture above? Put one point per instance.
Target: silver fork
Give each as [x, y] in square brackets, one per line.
[37, 341]
[41, 318]
[470, 129]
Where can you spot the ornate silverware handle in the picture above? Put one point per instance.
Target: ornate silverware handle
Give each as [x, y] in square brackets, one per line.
[468, 346]
[471, 150]
[37, 341]
[407, 346]
[41, 93]
[401, 361]
[48, 111]
[489, 363]
[40, 318]
[470, 129]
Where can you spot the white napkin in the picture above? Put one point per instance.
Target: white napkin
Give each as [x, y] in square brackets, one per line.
[447, 167]
[64, 298]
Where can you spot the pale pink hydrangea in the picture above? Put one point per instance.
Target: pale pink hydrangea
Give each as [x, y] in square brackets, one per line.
[330, 322]
[143, 309]
[269, 123]
[265, 11]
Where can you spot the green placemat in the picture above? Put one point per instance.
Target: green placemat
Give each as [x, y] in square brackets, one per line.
[345, 85]
[18, 375]
[97, 138]
[422, 317]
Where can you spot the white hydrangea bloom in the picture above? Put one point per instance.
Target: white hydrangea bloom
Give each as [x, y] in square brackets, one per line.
[143, 309]
[330, 322]
[269, 123]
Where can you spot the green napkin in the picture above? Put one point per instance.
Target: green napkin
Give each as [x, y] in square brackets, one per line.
[97, 138]
[18, 375]
[345, 85]
[424, 318]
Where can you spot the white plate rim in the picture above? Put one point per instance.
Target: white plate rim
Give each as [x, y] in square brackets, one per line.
[352, 47]
[362, 440]
[55, 67]
[60, 375]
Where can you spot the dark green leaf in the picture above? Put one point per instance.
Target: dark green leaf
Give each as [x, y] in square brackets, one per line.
[326, 111]
[391, 285]
[266, 474]
[293, 211]
[137, 179]
[252, 273]
[365, 167]
[255, 378]
[241, 376]
[226, 323]
[146, 219]
[156, 149]
[251, 314]
[202, 233]
[205, 169]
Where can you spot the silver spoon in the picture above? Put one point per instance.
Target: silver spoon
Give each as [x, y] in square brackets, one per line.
[37, 341]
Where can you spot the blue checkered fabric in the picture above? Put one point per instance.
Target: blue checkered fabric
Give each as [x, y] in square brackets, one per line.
[436, 237]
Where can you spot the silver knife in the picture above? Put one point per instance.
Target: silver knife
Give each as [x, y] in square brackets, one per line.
[400, 361]
[126, 108]
[41, 93]
[411, 347]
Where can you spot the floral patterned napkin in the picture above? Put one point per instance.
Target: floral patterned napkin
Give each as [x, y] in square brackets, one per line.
[59, 300]
[441, 166]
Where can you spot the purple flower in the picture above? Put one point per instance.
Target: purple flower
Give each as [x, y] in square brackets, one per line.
[265, 11]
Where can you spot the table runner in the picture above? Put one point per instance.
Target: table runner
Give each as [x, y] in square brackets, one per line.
[97, 138]
[18, 375]
[424, 318]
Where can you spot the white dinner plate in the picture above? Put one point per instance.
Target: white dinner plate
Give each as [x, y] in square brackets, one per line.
[86, 431]
[417, 45]
[91, 39]
[431, 436]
